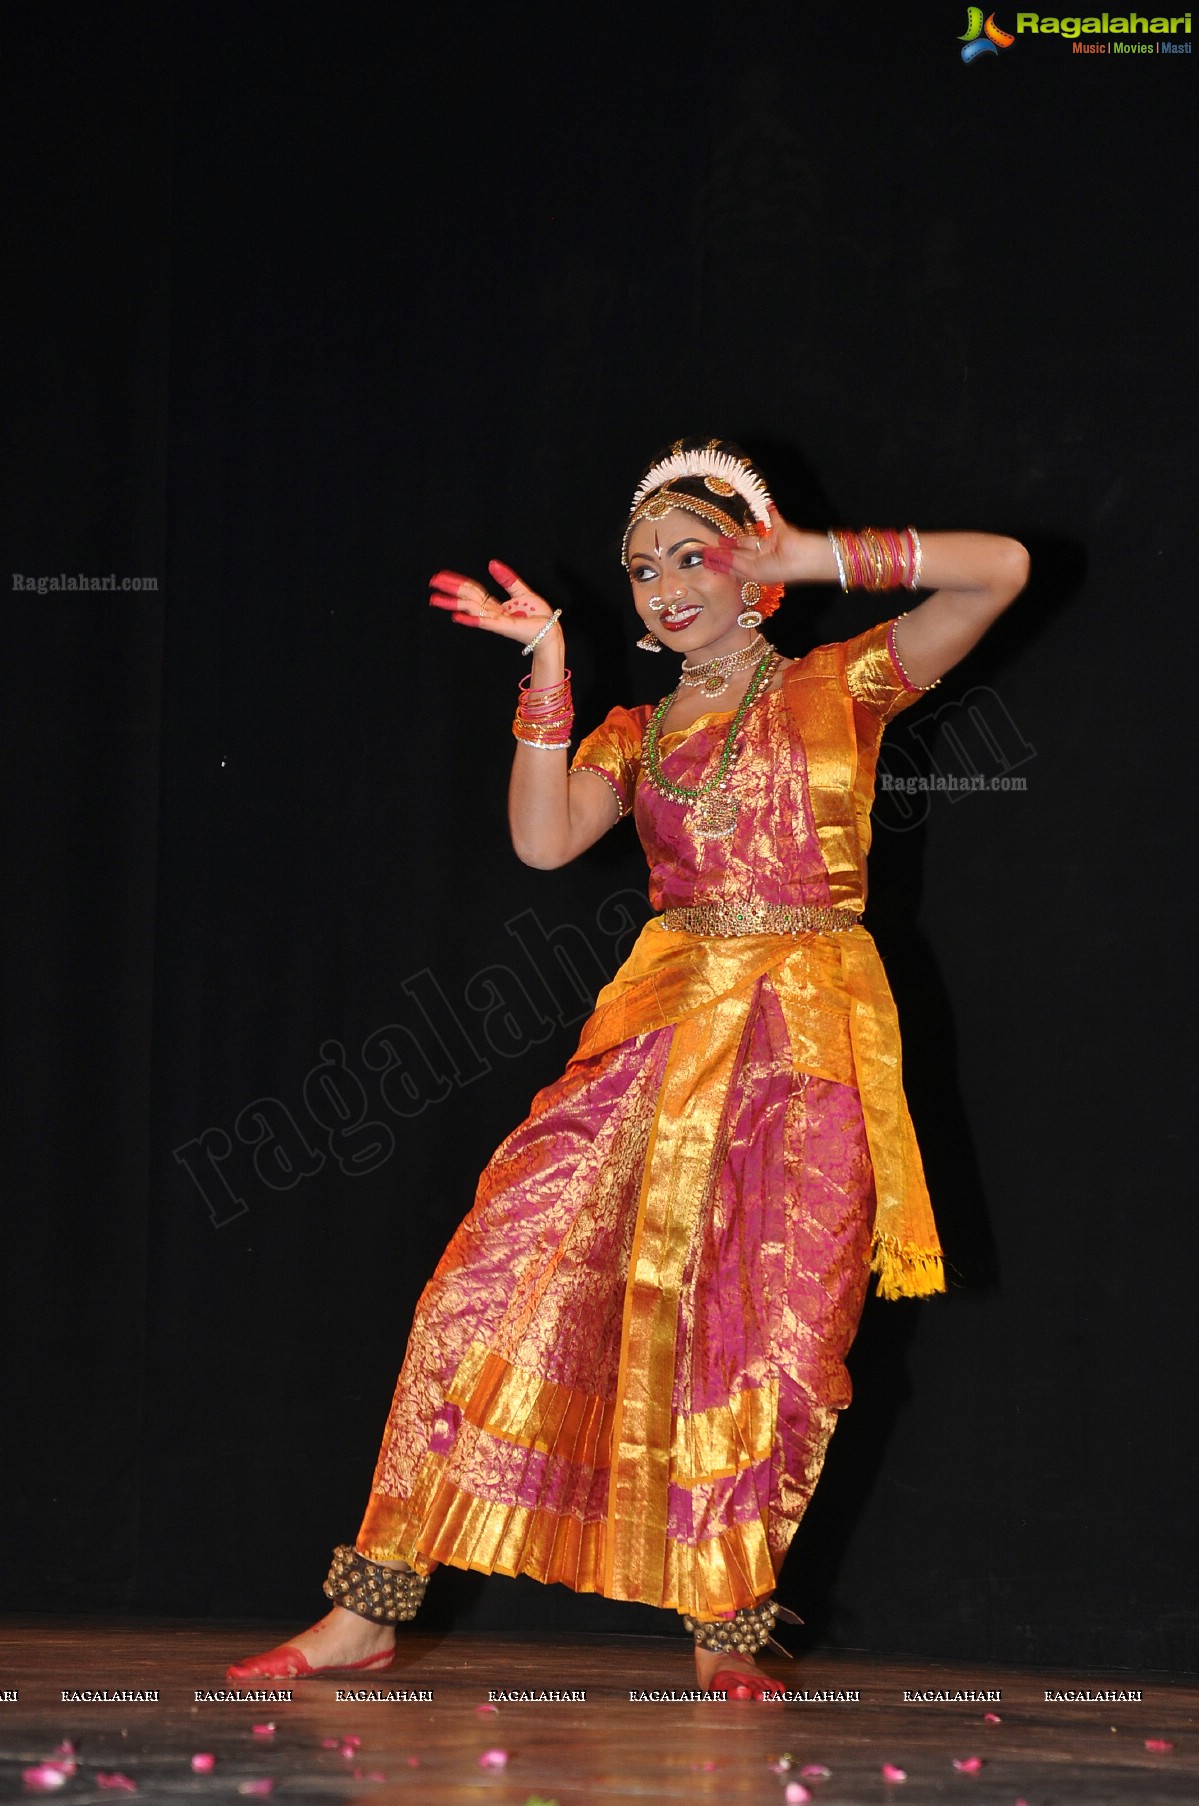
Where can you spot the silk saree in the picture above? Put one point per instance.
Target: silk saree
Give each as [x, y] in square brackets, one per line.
[626, 1368]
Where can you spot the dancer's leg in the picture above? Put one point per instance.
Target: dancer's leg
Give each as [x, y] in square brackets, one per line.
[343, 1638]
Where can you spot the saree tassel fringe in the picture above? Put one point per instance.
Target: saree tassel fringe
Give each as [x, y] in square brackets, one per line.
[904, 1271]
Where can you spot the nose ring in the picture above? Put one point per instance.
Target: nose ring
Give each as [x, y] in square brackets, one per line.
[656, 604]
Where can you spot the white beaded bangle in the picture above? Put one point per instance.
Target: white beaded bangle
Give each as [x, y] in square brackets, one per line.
[538, 637]
[832, 539]
[917, 560]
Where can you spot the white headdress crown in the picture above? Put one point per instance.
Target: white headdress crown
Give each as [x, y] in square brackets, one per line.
[727, 474]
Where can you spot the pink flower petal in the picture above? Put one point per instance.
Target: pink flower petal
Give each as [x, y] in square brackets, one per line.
[486, 1707]
[414, 1761]
[795, 1793]
[891, 1773]
[781, 1765]
[264, 1730]
[203, 1762]
[44, 1777]
[349, 1744]
[968, 1765]
[118, 1782]
[992, 1718]
[494, 1759]
[1161, 1744]
[263, 1786]
[816, 1771]
[65, 1748]
[330, 1743]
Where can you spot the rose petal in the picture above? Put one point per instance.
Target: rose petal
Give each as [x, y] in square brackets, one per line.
[203, 1762]
[781, 1765]
[891, 1773]
[968, 1765]
[120, 1783]
[1161, 1744]
[486, 1707]
[493, 1759]
[330, 1743]
[414, 1761]
[65, 1748]
[795, 1794]
[816, 1771]
[992, 1718]
[264, 1730]
[264, 1786]
[350, 1743]
[44, 1776]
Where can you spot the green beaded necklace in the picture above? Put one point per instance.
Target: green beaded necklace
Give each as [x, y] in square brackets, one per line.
[717, 817]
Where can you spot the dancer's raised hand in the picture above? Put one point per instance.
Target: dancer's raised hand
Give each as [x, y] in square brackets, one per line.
[520, 616]
[783, 555]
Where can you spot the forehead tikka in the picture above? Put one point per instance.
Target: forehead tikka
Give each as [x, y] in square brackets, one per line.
[665, 501]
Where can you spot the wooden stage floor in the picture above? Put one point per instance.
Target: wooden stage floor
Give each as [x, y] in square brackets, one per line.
[1093, 1748]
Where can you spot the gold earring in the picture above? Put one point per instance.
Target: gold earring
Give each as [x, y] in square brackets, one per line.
[649, 643]
[750, 616]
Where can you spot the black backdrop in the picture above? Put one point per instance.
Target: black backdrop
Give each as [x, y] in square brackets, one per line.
[313, 300]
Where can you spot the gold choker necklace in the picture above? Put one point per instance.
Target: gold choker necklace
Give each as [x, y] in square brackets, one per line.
[712, 677]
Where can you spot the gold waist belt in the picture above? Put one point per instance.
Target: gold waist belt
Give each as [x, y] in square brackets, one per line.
[757, 918]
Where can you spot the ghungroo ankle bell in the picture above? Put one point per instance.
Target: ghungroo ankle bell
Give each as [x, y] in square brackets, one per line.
[385, 1595]
[745, 1632]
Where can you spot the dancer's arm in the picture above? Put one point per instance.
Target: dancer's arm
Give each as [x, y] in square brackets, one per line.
[552, 817]
[973, 577]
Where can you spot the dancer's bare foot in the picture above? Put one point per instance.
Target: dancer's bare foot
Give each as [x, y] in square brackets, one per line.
[341, 1639]
[709, 1663]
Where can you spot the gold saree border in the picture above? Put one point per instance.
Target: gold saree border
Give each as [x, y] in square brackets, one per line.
[684, 1155]
[707, 1579]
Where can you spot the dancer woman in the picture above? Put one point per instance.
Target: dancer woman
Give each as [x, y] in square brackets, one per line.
[625, 1370]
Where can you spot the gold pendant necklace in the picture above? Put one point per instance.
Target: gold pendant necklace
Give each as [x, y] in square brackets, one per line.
[715, 818]
[712, 677]
[712, 811]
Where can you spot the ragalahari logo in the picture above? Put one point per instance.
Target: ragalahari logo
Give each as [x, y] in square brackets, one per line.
[983, 37]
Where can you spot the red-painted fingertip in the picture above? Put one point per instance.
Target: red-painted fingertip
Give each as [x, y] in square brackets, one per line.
[717, 559]
[467, 620]
[450, 581]
[443, 602]
[503, 573]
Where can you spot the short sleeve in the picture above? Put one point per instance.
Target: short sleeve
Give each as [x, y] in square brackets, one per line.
[874, 674]
[613, 752]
